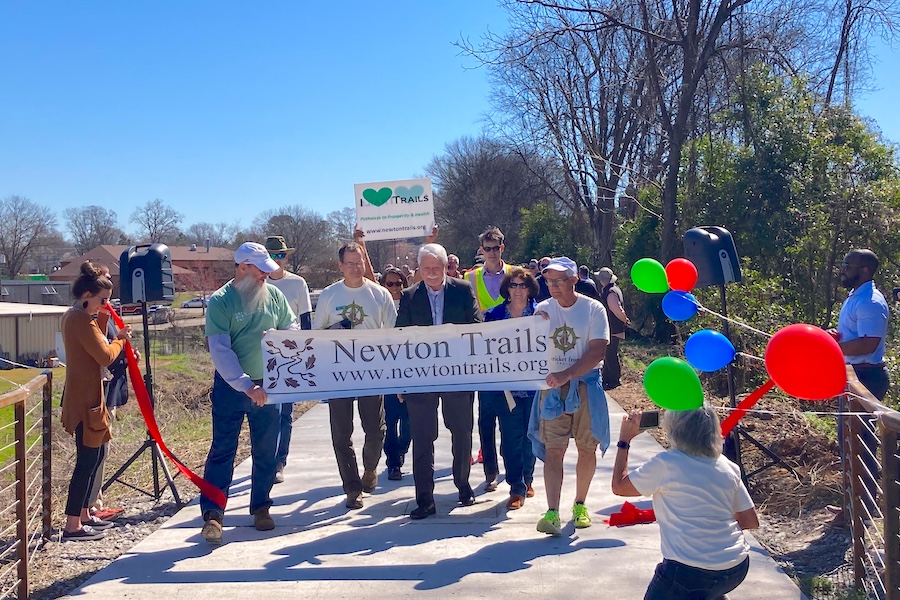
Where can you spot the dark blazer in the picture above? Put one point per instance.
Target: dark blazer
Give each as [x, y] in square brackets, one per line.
[460, 305]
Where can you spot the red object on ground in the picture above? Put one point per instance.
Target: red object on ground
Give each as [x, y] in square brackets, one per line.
[107, 514]
[631, 515]
[143, 400]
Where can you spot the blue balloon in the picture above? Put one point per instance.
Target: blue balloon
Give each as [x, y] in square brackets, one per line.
[708, 351]
[679, 306]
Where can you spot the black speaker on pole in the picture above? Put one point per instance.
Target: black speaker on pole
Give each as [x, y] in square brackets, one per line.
[713, 252]
[145, 275]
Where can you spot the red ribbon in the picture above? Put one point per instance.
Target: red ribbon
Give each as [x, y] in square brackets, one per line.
[143, 399]
[631, 515]
[745, 405]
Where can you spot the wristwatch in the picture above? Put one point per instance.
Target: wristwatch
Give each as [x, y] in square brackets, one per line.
[623, 445]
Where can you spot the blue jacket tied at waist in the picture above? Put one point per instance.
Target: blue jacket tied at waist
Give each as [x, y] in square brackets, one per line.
[555, 405]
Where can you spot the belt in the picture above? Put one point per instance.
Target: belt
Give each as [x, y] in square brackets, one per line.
[865, 366]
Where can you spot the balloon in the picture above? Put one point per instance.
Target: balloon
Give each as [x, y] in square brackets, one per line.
[649, 276]
[672, 384]
[708, 350]
[682, 274]
[679, 306]
[806, 362]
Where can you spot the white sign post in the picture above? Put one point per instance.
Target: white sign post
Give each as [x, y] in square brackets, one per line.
[393, 210]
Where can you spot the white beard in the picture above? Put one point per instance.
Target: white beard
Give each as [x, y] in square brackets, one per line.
[253, 295]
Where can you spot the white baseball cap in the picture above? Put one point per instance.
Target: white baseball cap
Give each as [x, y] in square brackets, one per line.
[251, 253]
[564, 265]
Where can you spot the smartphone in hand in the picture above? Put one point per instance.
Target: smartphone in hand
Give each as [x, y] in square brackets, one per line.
[649, 419]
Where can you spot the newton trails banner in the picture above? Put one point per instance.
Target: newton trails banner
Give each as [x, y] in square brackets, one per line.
[342, 363]
[392, 210]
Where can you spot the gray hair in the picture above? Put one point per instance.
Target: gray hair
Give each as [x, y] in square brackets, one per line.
[435, 250]
[695, 432]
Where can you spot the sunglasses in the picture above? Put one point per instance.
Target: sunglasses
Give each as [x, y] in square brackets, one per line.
[491, 248]
[278, 255]
[520, 286]
[394, 284]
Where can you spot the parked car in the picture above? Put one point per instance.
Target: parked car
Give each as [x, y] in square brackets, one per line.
[196, 302]
[159, 314]
[130, 309]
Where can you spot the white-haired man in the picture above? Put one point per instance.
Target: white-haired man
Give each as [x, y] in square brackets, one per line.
[436, 300]
[237, 315]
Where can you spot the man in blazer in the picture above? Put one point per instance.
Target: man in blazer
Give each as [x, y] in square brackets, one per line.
[436, 300]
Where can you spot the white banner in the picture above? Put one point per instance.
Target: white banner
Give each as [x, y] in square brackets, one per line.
[394, 210]
[343, 363]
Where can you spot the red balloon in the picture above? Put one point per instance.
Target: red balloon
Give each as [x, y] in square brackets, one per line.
[682, 274]
[806, 362]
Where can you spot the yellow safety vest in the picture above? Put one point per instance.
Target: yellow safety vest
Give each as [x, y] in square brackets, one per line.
[485, 301]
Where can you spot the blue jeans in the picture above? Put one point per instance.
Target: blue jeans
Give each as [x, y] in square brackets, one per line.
[677, 581]
[229, 407]
[398, 436]
[286, 425]
[487, 433]
[515, 447]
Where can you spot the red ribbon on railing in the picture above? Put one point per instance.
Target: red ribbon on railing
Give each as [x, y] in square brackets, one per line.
[746, 404]
[143, 400]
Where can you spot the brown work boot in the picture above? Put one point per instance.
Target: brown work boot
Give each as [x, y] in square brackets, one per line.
[515, 502]
[369, 479]
[212, 531]
[262, 520]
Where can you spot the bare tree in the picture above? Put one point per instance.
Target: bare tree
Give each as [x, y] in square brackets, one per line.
[221, 235]
[342, 222]
[158, 222]
[92, 226]
[302, 228]
[24, 226]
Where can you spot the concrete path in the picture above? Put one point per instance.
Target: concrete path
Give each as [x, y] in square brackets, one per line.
[320, 549]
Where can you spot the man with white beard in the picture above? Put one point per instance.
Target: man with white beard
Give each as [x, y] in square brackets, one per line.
[237, 315]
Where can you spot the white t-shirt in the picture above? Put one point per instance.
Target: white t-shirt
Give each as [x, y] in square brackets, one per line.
[572, 328]
[695, 500]
[296, 291]
[369, 306]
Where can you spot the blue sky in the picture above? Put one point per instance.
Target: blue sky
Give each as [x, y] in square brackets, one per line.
[225, 109]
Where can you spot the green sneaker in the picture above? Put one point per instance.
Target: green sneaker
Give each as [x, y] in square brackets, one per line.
[580, 516]
[549, 523]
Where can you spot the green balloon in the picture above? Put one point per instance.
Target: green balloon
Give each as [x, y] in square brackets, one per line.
[649, 276]
[673, 384]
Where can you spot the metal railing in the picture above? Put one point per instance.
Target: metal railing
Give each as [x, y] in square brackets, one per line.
[869, 443]
[25, 480]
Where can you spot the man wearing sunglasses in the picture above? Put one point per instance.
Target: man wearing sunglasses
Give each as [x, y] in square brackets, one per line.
[296, 291]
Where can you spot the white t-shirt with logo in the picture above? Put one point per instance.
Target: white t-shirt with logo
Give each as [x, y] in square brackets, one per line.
[296, 291]
[572, 328]
[695, 499]
[369, 306]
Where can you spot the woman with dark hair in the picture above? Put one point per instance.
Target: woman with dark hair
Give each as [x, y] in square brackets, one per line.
[84, 412]
[700, 502]
[519, 289]
[396, 417]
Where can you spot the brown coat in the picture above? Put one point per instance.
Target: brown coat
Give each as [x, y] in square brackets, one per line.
[87, 352]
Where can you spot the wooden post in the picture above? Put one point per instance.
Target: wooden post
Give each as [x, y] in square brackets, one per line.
[888, 427]
[21, 500]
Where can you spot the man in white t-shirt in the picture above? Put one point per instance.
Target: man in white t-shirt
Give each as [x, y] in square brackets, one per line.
[356, 303]
[296, 291]
[575, 405]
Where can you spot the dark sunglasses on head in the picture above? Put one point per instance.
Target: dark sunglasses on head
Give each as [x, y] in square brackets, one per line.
[278, 255]
[394, 284]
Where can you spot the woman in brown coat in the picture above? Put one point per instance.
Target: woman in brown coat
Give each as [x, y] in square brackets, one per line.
[84, 412]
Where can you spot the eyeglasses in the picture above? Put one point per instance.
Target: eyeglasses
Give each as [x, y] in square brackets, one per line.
[278, 255]
[845, 265]
[515, 285]
[491, 248]
[554, 282]
[104, 301]
[393, 284]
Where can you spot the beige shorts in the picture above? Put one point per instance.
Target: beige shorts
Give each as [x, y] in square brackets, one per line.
[555, 433]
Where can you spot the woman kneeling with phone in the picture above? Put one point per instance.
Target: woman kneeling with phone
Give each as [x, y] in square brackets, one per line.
[700, 502]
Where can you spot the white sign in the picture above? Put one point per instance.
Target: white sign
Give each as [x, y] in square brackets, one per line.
[392, 210]
[343, 363]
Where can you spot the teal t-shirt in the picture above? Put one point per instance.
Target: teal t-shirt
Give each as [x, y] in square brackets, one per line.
[225, 314]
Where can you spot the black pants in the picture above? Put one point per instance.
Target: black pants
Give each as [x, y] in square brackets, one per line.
[676, 581]
[459, 418]
[612, 368]
[371, 413]
[86, 462]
